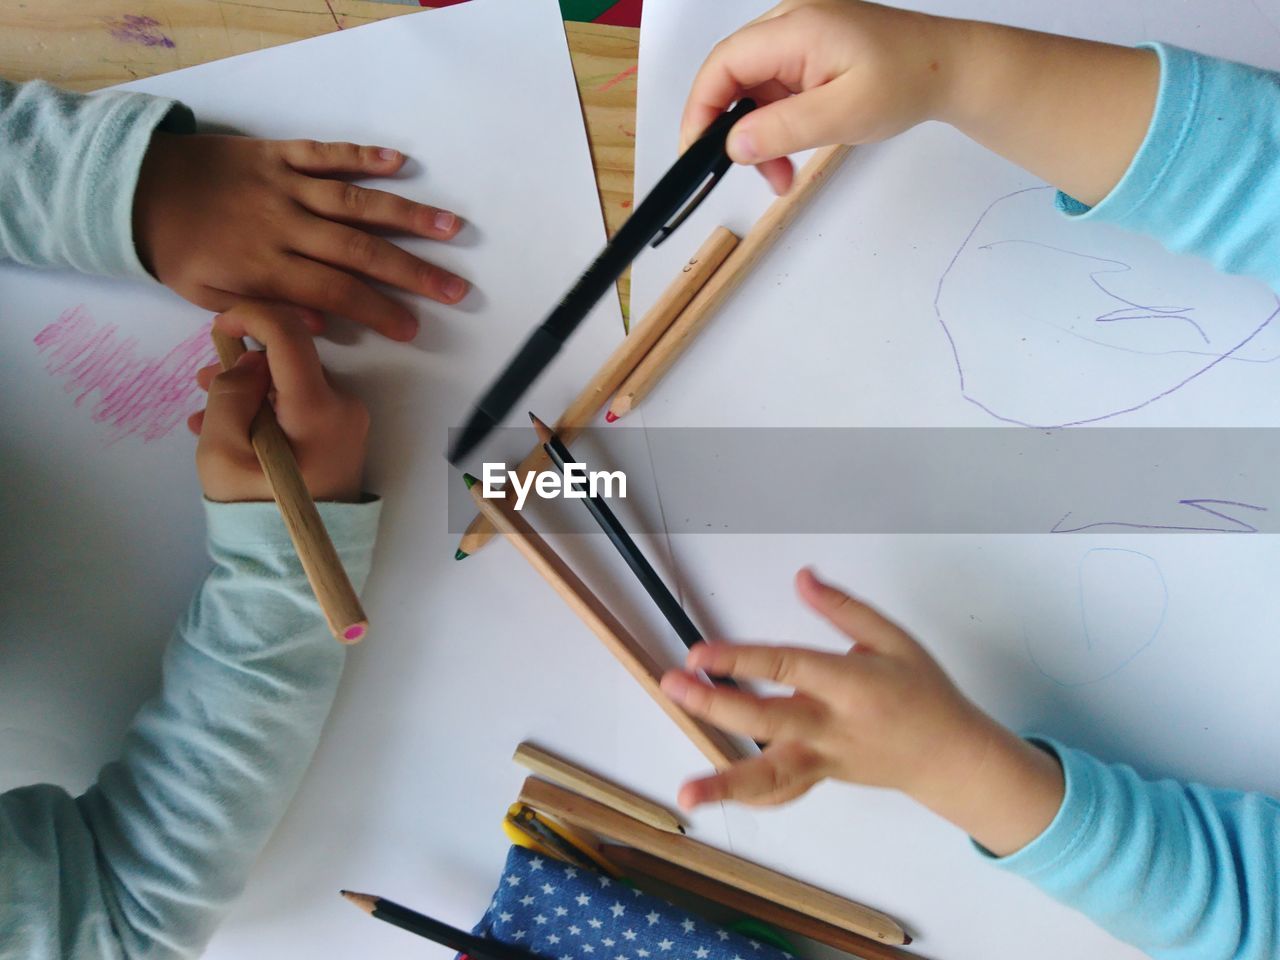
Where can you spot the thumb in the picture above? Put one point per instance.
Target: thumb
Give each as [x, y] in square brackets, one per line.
[235, 397]
[800, 122]
[855, 619]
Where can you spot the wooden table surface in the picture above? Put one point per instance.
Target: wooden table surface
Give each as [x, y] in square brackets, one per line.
[87, 44]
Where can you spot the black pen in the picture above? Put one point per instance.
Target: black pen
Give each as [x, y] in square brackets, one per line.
[654, 219]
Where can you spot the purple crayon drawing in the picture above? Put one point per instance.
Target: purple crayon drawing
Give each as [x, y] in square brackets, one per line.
[132, 28]
[132, 395]
[1050, 332]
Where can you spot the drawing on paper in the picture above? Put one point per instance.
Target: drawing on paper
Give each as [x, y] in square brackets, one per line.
[130, 394]
[1211, 516]
[1056, 324]
[1123, 600]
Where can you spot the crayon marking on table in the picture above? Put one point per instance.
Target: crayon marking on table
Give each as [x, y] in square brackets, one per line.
[140, 396]
[617, 79]
[132, 28]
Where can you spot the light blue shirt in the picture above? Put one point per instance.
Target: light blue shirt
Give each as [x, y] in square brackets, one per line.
[1181, 871]
[149, 859]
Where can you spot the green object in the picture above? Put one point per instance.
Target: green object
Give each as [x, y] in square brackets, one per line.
[754, 929]
[584, 10]
[469, 480]
[460, 554]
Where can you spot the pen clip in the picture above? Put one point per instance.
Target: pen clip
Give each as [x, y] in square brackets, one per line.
[717, 173]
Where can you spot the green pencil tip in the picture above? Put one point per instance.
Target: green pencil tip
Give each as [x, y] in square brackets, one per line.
[460, 554]
[469, 480]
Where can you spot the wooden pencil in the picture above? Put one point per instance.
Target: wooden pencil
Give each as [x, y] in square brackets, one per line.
[636, 862]
[320, 560]
[481, 948]
[561, 771]
[605, 822]
[762, 235]
[592, 398]
[716, 746]
[630, 551]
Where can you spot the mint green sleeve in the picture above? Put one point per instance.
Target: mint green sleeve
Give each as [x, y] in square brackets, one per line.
[148, 860]
[69, 166]
[1181, 871]
[1206, 179]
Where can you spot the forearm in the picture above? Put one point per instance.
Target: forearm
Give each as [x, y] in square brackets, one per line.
[996, 787]
[1072, 112]
[1178, 870]
[68, 171]
[211, 763]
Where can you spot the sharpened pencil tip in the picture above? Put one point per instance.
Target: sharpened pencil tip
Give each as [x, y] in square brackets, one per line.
[541, 429]
[460, 554]
[469, 480]
[361, 900]
[610, 417]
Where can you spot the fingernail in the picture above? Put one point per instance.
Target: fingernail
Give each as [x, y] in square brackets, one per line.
[444, 221]
[743, 147]
[454, 288]
[386, 153]
[675, 686]
[250, 358]
[408, 329]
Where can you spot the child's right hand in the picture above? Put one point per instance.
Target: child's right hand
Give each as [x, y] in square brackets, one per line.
[824, 71]
[883, 714]
[1072, 112]
[326, 427]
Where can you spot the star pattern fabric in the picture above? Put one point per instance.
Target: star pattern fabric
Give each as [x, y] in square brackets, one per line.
[562, 912]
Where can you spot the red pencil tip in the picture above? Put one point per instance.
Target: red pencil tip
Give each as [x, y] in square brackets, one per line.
[610, 417]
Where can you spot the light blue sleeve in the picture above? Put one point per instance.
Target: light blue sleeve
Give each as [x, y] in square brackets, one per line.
[1178, 870]
[147, 861]
[69, 166]
[1206, 179]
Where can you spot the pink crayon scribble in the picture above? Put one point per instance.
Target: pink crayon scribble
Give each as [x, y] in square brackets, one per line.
[132, 28]
[136, 396]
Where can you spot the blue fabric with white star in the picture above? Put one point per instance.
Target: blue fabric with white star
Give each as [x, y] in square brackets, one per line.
[562, 912]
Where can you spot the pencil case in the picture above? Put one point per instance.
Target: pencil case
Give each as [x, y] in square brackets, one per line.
[562, 911]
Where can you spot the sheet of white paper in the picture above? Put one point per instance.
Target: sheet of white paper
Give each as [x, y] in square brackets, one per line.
[1120, 644]
[101, 508]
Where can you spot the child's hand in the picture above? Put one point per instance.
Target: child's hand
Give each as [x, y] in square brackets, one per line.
[883, 714]
[824, 71]
[326, 428]
[1072, 112]
[222, 218]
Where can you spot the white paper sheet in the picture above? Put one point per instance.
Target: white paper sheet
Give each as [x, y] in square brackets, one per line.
[104, 533]
[1149, 649]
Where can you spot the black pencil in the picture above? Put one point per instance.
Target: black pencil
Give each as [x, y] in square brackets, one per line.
[685, 628]
[479, 948]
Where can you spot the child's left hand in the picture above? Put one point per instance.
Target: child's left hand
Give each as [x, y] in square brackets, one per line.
[221, 218]
[883, 714]
[327, 428]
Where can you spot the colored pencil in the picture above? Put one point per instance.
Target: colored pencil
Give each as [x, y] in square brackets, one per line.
[479, 948]
[636, 862]
[561, 771]
[320, 560]
[608, 823]
[592, 398]
[762, 235]
[618, 536]
[714, 744]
